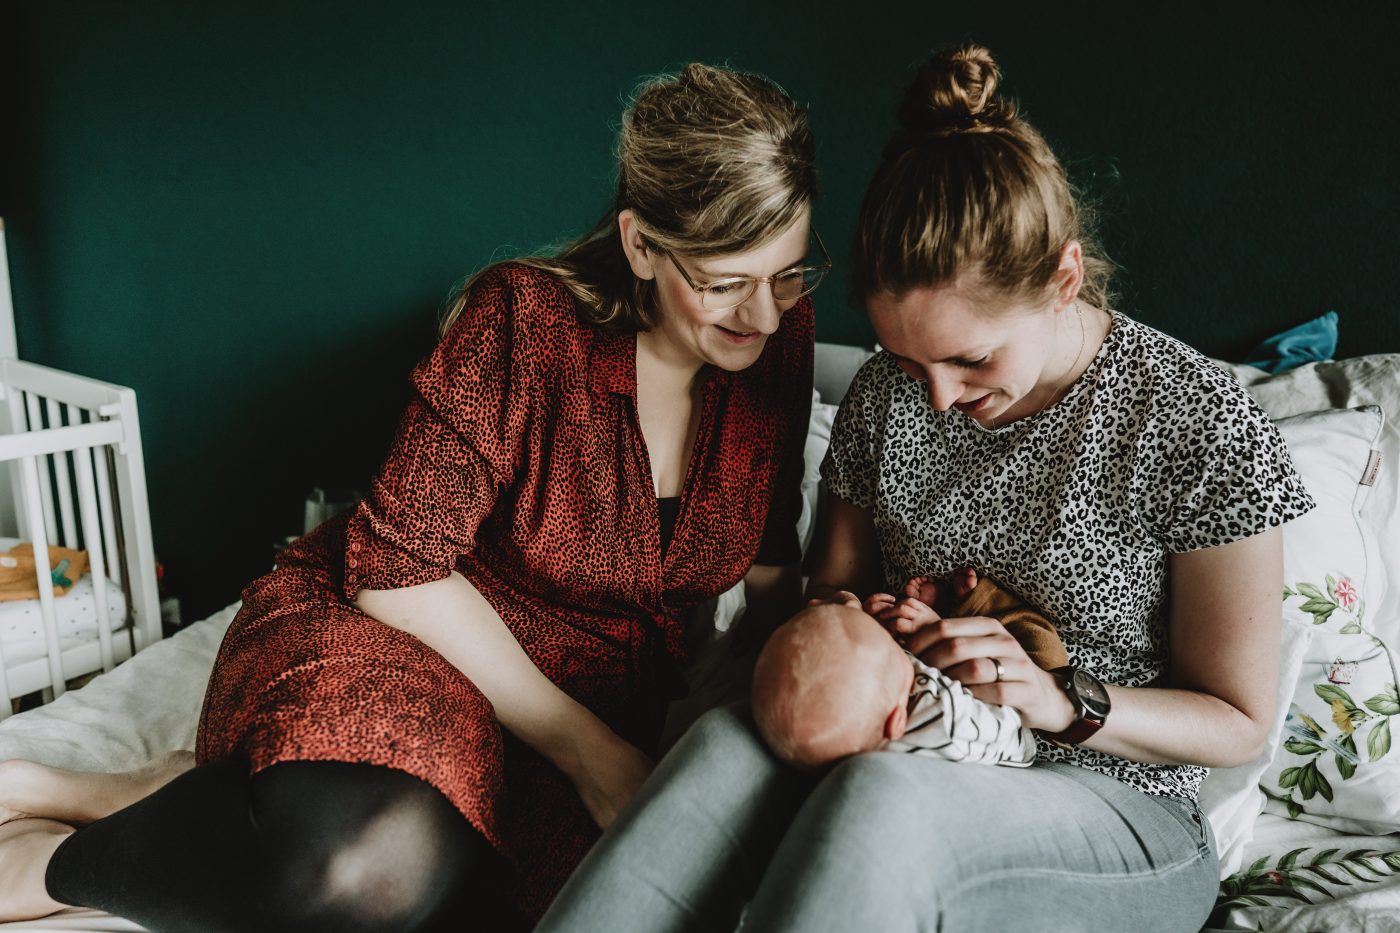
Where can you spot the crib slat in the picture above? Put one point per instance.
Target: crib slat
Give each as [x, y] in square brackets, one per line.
[36, 425]
[30, 468]
[105, 511]
[14, 402]
[5, 698]
[92, 536]
[64, 486]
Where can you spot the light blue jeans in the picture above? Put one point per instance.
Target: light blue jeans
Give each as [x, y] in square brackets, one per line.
[723, 837]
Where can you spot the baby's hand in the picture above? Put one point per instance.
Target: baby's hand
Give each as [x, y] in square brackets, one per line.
[902, 617]
[877, 603]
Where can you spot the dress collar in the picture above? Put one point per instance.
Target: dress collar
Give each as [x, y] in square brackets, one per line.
[613, 365]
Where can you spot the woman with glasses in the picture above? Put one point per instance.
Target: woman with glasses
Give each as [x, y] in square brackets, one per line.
[428, 710]
[1108, 474]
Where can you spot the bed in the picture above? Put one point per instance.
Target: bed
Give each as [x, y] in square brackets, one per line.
[1307, 832]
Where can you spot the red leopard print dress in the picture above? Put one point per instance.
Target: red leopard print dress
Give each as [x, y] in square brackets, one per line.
[520, 463]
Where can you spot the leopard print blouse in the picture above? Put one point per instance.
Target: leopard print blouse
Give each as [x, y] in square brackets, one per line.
[1153, 451]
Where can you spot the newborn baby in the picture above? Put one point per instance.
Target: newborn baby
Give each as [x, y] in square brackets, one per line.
[832, 682]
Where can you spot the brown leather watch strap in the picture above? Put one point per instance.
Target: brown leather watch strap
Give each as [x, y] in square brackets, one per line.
[1078, 731]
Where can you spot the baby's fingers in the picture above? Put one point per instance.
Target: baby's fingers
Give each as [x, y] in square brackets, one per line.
[877, 603]
[908, 615]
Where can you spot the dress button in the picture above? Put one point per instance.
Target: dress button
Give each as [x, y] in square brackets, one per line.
[354, 545]
[352, 563]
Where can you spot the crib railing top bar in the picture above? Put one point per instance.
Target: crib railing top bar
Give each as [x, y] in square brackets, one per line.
[93, 394]
[58, 440]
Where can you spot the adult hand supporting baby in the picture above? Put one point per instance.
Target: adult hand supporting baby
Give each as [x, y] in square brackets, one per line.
[981, 654]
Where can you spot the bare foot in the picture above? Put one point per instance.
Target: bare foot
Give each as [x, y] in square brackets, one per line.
[964, 582]
[29, 789]
[26, 846]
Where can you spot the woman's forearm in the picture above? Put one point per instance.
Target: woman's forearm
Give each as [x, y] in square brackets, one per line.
[1168, 726]
[456, 621]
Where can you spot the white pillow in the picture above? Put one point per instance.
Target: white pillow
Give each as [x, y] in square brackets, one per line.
[1329, 553]
[1363, 380]
[1334, 765]
[818, 440]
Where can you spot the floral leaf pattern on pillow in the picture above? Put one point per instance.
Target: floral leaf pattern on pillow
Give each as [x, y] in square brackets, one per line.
[1340, 718]
[1306, 875]
[1340, 595]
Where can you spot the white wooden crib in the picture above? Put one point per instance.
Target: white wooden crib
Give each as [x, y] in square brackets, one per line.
[72, 449]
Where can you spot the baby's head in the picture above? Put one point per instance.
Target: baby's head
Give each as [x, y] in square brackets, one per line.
[830, 683]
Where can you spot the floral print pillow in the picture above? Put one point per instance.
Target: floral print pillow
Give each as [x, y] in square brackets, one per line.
[1336, 765]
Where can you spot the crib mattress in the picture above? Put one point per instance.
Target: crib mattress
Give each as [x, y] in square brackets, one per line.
[22, 622]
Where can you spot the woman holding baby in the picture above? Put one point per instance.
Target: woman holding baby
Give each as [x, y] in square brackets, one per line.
[1110, 476]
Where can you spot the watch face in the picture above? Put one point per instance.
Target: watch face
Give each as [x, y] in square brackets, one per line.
[1091, 693]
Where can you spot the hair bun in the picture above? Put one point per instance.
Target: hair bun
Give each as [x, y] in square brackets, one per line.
[954, 90]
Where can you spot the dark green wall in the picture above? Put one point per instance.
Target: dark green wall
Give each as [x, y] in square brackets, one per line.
[251, 214]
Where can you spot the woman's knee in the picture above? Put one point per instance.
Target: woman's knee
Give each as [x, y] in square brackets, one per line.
[886, 806]
[374, 849]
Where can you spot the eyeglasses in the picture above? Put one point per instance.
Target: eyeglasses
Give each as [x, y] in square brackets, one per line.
[732, 291]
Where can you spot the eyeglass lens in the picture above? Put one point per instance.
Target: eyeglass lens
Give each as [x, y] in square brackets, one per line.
[789, 286]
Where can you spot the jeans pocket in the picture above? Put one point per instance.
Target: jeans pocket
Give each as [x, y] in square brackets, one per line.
[1189, 814]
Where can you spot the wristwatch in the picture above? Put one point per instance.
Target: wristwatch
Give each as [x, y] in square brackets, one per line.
[1091, 705]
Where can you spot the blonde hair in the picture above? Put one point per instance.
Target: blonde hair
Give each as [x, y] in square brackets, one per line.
[710, 161]
[967, 187]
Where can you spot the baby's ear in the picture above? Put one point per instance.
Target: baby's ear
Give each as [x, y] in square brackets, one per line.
[896, 722]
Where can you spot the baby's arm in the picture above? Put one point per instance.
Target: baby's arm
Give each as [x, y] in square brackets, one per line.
[947, 721]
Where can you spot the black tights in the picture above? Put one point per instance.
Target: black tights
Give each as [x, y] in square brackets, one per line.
[307, 846]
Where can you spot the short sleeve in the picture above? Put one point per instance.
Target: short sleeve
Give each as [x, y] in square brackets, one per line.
[851, 468]
[1218, 476]
[458, 443]
[780, 545]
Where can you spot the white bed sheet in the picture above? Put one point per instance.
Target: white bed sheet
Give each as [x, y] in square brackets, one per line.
[123, 718]
[120, 720]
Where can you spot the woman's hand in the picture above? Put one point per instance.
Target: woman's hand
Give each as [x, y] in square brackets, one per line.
[982, 655]
[607, 775]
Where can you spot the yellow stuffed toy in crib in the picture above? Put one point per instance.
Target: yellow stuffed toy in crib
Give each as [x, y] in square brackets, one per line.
[17, 580]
